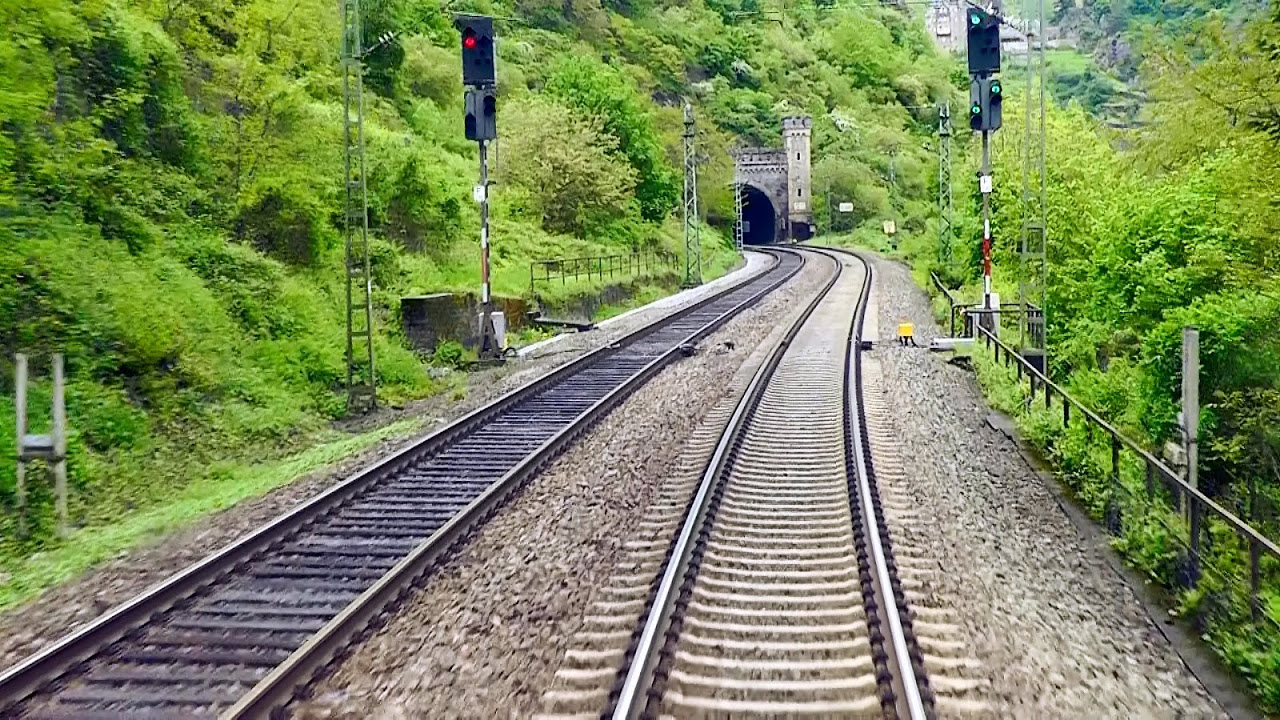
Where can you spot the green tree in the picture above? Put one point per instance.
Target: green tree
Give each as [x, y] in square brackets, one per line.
[568, 163]
[600, 90]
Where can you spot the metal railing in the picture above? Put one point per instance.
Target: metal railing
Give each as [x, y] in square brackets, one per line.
[598, 266]
[968, 309]
[1182, 493]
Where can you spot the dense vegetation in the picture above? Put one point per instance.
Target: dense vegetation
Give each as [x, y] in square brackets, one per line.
[170, 210]
[1153, 229]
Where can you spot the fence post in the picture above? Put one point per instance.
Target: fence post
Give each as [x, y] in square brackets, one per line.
[1115, 459]
[1194, 506]
[20, 490]
[60, 444]
[1066, 413]
[1048, 394]
[1254, 605]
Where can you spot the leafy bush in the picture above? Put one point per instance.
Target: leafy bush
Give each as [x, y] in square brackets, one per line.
[285, 222]
[567, 162]
[599, 90]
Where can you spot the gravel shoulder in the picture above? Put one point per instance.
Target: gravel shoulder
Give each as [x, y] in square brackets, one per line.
[485, 634]
[59, 610]
[1058, 632]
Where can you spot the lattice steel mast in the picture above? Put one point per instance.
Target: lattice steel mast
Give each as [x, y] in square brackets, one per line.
[692, 241]
[946, 226]
[1034, 276]
[361, 380]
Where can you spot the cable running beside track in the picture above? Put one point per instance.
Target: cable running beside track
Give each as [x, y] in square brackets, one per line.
[779, 597]
[237, 633]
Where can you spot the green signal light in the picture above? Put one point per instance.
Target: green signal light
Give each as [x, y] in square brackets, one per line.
[995, 88]
[974, 18]
[975, 110]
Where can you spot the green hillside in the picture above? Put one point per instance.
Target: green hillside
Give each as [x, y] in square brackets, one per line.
[1170, 224]
[170, 178]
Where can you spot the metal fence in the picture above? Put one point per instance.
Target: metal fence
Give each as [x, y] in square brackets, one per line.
[599, 266]
[967, 311]
[1198, 506]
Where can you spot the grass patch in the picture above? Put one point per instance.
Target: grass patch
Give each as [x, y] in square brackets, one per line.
[225, 485]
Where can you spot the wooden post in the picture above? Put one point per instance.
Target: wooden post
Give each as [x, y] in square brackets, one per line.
[20, 361]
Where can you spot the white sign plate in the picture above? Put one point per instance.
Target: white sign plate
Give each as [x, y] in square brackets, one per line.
[477, 193]
[984, 184]
[890, 227]
[802, 206]
[846, 207]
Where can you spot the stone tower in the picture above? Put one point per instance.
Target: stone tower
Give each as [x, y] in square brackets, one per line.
[797, 134]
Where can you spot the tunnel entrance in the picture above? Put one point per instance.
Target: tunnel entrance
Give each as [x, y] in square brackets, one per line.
[759, 220]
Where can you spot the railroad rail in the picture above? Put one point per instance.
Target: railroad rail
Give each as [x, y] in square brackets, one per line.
[779, 594]
[236, 634]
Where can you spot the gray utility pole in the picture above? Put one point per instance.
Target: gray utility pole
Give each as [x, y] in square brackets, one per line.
[361, 379]
[1191, 429]
[946, 228]
[51, 448]
[1033, 279]
[738, 230]
[1191, 399]
[692, 241]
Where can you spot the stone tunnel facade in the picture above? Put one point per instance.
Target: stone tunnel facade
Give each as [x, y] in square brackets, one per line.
[780, 178]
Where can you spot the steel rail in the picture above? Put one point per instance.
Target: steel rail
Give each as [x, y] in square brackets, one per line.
[639, 675]
[862, 461]
[38, 671]
[636, 691]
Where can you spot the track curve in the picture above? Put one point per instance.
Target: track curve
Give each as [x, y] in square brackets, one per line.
[235, 634]
[779, 597]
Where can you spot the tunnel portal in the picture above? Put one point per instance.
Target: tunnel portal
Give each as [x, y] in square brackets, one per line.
[759, 219]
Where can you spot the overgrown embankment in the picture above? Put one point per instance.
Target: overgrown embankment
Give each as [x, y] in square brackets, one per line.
[171, 201]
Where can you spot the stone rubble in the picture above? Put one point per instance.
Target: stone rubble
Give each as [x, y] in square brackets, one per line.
[487, 631]
[59, 610]
[1058, 632]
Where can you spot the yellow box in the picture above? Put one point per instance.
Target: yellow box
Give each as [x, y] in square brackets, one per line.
[906, 330]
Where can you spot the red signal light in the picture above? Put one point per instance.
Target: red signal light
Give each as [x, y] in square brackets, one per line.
[469, 41]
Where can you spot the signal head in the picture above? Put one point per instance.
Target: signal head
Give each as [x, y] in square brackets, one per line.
[478, 62]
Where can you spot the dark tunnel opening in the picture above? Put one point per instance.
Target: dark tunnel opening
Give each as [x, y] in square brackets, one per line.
[759, 220]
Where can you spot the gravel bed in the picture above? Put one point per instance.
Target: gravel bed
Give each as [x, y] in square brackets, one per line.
[1058, 631]
[485, 635]
[26, 629]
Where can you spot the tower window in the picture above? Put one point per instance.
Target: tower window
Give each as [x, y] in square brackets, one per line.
[797, 156]
[799, 192]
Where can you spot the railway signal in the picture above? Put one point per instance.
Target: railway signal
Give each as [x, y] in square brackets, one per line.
[481, 119]
[480, 123]
[986, 102]
[479, 68]
[984, 42]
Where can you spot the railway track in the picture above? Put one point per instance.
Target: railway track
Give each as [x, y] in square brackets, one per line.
[238, 633]
[779, 595]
